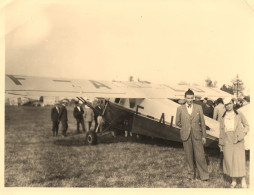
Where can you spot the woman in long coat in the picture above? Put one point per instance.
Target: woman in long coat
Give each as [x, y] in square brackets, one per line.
[89, 117]
[233, 128]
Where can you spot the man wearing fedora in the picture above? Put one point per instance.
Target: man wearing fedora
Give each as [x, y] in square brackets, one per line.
[190, 118]
[55, 119]
[78, 115]
[63, 117]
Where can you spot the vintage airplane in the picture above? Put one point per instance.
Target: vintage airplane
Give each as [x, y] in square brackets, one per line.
[148, 108]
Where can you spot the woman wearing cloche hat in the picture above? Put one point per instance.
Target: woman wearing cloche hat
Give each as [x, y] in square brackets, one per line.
[233, 128]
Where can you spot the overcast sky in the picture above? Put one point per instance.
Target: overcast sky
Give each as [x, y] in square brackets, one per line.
[163, 41]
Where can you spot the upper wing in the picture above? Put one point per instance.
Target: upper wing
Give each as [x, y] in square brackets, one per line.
[41, 86]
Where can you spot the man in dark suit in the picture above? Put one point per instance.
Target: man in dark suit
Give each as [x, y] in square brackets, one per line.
[55, 119]
[208, 108]
[78, 115]
[190, 118]
[64, 118]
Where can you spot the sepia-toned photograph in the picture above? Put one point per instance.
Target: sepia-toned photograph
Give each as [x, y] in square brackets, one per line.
[127, 94]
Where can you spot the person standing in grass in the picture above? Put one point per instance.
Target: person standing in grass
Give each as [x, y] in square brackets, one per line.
[63, 118]
[89, 116]
[233, 128]
[55, 119]
[190, 118]
[78, 115]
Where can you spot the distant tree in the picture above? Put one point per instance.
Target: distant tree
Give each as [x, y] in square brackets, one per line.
[228, 89]
[238, 86]
[210, 83]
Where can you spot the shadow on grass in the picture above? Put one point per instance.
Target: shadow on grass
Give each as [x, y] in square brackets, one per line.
[74, 142]
[79, 140]
[70, 140]
[120, 138]
[158, 142]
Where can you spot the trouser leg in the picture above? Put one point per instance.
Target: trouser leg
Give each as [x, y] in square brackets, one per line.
[78, 123]
[100, 123]
[188, 149]
[57, 126]
[87, 126]
[90, 124]
[64, 127]
[200, 159]
[82, 124]
[221, 160]
[53, 128]
[95, 123]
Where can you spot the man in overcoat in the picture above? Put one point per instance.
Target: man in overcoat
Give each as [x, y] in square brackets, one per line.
[63, 117]
[190, 118]
[55, 119]
[89, 117]
[78, 115]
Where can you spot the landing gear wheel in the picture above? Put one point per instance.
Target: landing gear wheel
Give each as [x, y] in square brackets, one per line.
[91, 138]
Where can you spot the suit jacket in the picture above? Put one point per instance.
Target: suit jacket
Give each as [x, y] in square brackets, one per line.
[78, 114]
[241, 128]
[54, 114]
[194, 122]
[63, 114]
[208, 109]
[89, 115]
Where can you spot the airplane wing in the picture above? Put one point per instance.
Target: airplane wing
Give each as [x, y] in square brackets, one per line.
[42, 86]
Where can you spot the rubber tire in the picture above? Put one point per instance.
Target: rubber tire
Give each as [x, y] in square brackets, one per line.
[91, 138]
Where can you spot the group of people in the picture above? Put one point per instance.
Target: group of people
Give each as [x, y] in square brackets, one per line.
[209, 106]
[59, 114]
[84, 117]
[233, 128]
[190, 119]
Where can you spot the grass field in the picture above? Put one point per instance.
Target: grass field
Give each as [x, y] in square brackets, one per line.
[36, 159]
